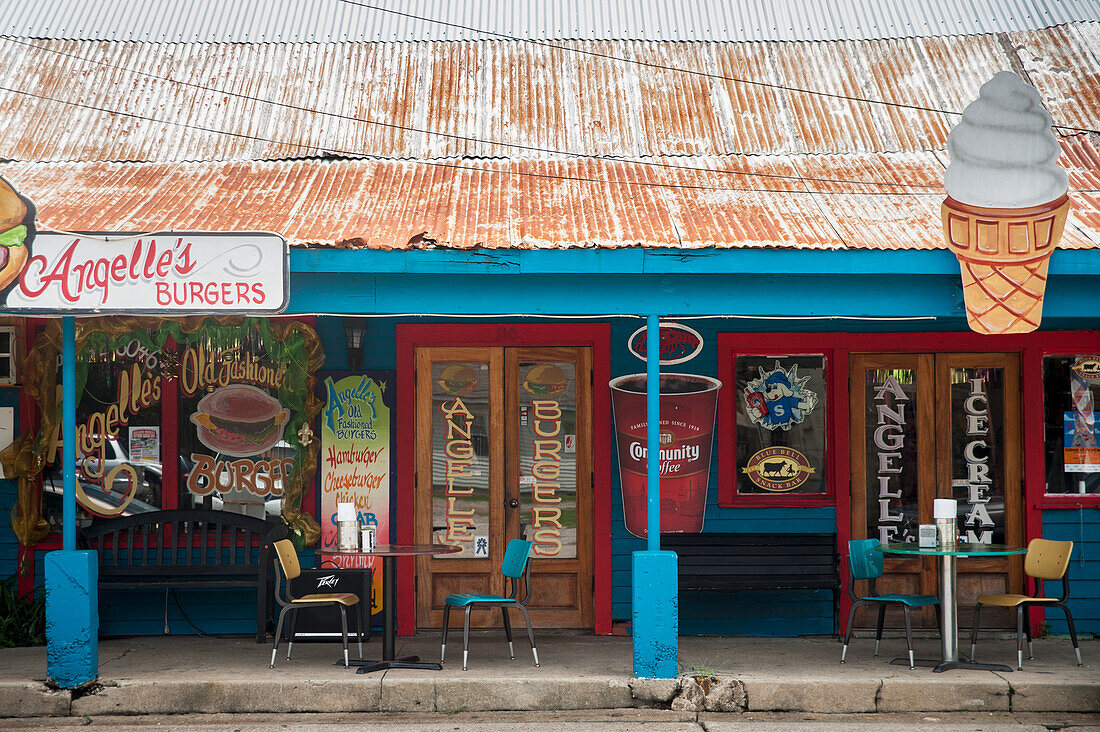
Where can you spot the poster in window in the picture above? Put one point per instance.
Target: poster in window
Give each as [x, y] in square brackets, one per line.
[1081, 452]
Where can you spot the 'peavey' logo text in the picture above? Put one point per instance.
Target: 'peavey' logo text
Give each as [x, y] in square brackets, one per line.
[146, 260]
[329, 581]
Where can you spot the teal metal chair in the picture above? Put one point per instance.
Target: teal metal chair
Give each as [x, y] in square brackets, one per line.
[514, 566]
[865, 563]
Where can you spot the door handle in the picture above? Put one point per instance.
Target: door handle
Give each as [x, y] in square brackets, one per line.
[513, 503]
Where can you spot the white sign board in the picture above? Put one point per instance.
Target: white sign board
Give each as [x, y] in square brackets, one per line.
[165, 273]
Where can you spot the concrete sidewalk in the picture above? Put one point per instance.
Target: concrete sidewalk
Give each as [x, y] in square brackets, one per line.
[183, 674]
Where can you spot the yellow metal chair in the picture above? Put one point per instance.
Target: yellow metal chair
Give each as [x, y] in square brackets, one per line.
[288, 561]
[1045, 560]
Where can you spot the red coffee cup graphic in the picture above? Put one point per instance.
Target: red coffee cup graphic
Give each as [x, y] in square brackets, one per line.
[688, 405]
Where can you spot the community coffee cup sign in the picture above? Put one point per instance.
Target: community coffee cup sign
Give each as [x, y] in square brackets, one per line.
[180, 272]
[688, 406]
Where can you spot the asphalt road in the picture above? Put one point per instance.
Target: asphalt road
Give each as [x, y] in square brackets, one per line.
[624, 720]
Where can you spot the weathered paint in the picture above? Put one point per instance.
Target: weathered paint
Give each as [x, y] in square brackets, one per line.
[655, 616]
[72, 618]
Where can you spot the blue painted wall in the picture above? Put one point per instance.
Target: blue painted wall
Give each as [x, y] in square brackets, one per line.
[1082, 527]
[9, 546]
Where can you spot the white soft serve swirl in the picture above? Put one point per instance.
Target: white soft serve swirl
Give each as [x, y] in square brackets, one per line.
[1003, 153]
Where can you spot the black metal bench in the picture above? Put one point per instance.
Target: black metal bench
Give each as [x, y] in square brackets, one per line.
[724, 562]
[187, 548]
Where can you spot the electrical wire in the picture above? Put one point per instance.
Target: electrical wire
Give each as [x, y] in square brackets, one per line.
[451, 135]
[677, 69]
[323, 150]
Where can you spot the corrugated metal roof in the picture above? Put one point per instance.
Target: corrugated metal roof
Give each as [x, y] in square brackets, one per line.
[535, 204]
[309, 21]
[171, 102]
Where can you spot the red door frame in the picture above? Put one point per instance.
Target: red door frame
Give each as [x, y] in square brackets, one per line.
[597, 336]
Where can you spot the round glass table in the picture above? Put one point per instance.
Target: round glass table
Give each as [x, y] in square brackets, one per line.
[949, 628]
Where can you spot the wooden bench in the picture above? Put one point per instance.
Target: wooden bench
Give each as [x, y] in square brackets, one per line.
[726, 562]
[187, 548]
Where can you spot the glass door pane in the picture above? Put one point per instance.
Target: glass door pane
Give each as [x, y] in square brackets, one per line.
[547, 445]
[460, 458]
[977, 453]
[892, 467]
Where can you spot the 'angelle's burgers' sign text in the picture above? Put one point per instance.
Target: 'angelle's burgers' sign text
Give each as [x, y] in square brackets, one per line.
[177, 272]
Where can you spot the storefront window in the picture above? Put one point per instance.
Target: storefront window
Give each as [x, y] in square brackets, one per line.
[1071, 395]
[780, 425]
[228, 401]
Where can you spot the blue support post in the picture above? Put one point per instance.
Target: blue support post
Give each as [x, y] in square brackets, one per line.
[655, 600]
[72, 577]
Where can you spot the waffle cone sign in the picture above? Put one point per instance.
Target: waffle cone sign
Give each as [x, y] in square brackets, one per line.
[1003, 257]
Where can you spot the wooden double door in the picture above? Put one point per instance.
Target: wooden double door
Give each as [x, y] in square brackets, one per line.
[503, 451]
[944, 425]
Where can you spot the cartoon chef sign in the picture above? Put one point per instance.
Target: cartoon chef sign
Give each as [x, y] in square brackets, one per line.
[778, 399]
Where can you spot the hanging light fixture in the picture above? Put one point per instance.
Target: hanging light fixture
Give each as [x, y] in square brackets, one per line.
[353, 333]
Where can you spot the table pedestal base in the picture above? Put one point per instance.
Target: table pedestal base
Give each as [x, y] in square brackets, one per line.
[939, 666]
[365, 667]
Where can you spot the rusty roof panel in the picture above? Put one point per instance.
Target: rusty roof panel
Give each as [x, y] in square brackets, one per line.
[173, 102]
[535, 203]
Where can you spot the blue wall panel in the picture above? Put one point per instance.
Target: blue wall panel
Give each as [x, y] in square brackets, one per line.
[1082, 527]
[9, 545]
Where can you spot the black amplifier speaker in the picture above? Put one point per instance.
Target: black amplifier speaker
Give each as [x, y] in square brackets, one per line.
[323, 623]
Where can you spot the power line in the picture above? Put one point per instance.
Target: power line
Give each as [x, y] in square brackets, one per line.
[356, 155]
[677, 69]
[454, 136]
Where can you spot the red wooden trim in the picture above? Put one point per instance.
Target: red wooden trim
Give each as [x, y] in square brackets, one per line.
[730, 346]
[837, 431]
[169, 420]
[564, 333]
[601, 479]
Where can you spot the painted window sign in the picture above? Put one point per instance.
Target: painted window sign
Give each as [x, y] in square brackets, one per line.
[460, 457]
[779, 398]
[780, 425]
[548, 471]
[233, 426]
[891, 449]
[1071, 393]
[978, 465]
[678, 343]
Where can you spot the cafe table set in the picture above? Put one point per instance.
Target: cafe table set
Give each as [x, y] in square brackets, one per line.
[946, 546]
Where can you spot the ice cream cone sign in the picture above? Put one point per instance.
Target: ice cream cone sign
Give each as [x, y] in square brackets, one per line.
[1006, 206]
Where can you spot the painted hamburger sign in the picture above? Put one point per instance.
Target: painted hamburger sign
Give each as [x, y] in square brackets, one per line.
[170, 272]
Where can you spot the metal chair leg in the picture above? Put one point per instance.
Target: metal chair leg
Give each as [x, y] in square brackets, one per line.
[909, 636]
[974, 630]
[939, 620]
[530, 633]
[881, 622]
[1019, 637]
[344, 632]
[466, 637]
[359, 629]
[278, 632]
[1072, 631]
[1027, 630]
[293, 631]
[446, 625]
[508, 630]
[848, 631]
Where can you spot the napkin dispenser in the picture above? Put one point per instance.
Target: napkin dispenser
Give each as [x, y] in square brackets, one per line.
[347, 528]
[945, 513]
